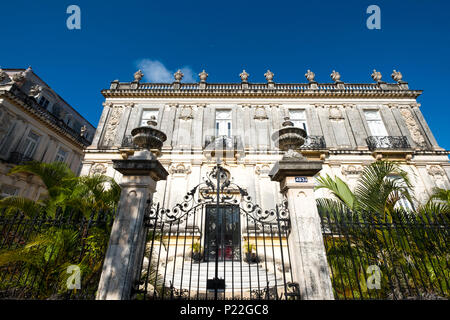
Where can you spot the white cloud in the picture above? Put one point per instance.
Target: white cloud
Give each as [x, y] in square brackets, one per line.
[155, 71]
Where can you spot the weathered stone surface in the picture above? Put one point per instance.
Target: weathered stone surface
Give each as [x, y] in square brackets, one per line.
[286, 168]
[140, 167]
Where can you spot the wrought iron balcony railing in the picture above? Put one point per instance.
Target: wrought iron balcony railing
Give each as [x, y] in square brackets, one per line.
[387, 142]
[314, 143]
[18, 158]
[225, 142]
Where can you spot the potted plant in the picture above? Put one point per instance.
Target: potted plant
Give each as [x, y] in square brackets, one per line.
[196, 252]
[249, 253]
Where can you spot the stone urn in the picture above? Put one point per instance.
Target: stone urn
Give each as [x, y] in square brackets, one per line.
[289, 139]
[148, 138]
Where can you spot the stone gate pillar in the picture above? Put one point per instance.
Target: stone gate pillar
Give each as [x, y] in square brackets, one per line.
[127, 241]
[308, 257]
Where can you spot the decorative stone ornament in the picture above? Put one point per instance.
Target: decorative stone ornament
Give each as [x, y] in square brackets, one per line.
[83, 131]
[336, 113]
[397, 76]
[98, 168]
[336, 76]
[3, 75]
[310, 76]
[436, 171]
[289, 139]
[352, 170]
[178, 76]
[138, 75]
[260, 113]
[244, 76]
[203, 76]
[376, 76]
[269, 76]
[186, 113]
[35, 90]
[18, 78]
[148, 138]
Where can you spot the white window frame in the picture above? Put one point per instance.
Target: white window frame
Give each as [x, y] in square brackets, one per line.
[224, 122]
[146, 115]
[30, 145]
[298, 117]
[375, 123]
[59, 157]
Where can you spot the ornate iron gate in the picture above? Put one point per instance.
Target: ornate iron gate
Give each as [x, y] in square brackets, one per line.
[217, 244]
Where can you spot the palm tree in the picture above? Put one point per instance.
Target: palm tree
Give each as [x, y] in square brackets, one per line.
[66, 192]
[438, 202]
[381, 186]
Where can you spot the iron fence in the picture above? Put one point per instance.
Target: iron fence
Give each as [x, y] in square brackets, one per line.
[57, 257]
[403, 256]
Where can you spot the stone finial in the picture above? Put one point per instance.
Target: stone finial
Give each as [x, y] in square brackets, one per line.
[310, 76]
[376, 76]
[244, 76]
[83, 131]
[35, 90]
[178, 75]
[269, 76]
[397, 76]
[203, 76]
[3, 75]
[18, 77]
[335, 76]
[138, 75]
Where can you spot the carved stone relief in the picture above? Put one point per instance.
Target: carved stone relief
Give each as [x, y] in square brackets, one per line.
[260, 113]
[436, 171]
[352, 170]
[262, 169]
[179, 168]
[336, 113]
[186, 113]
[112, 125]
[98, 168]
[413, 127]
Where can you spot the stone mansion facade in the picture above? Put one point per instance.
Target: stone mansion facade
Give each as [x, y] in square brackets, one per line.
[348, 126]
[36, 124]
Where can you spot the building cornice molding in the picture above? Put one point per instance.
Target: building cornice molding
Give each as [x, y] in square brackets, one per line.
[217, 90]
[42, 116]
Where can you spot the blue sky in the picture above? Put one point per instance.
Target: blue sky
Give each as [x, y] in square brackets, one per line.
[225, 37]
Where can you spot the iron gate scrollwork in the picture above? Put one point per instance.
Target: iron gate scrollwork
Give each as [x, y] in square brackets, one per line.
[217, 244]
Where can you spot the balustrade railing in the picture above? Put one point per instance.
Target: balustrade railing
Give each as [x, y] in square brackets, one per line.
[387, 142]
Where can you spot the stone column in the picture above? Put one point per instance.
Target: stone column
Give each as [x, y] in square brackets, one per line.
[127, 241]
[309, 261]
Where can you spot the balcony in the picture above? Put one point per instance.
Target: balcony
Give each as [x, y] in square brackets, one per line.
[228, 146]
[18, 158]
[387, 143]
[314, 143]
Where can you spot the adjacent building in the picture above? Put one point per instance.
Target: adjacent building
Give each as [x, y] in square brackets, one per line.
[36, 124]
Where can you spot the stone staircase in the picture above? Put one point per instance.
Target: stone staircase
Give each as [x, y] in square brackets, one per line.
[237, 276]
